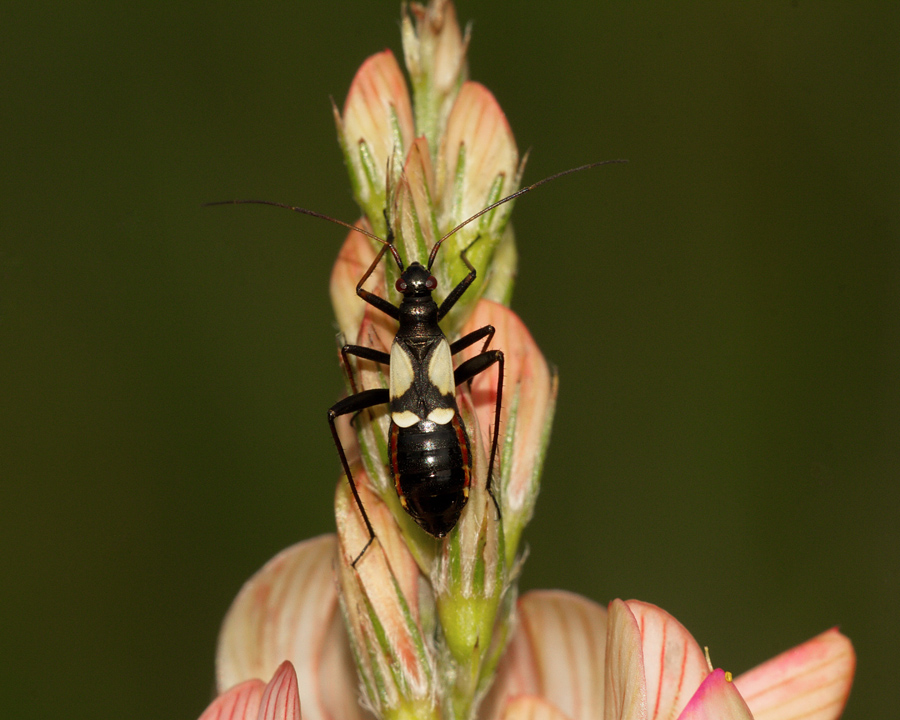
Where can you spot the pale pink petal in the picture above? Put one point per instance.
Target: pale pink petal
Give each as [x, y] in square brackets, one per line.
[380, 595]
[527, 380]
[377, 331]
[477, 130]
[281, 698]
[391, 573]
[531, 707]
[674, 664]
[808, 682]
[239, 703]
[368, 436]
[529, 398]
[289, 611]
[378, 112]
[557, 652]
[354, 258]
[626, 687]
[716, 699]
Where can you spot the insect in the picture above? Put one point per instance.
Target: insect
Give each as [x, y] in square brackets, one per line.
[429, 446]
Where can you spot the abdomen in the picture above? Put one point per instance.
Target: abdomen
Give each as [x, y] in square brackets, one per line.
[432, 468]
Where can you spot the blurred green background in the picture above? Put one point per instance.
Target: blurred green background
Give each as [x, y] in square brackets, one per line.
[724, 312]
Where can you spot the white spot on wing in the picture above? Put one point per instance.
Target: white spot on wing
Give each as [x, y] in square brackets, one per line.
[440, 369]
[405, 419]
[441, 415]
[401, 371]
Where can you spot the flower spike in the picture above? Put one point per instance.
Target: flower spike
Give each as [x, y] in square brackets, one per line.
[414, 614]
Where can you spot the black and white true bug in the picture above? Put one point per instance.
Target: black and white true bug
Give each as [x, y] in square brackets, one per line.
[429, 447]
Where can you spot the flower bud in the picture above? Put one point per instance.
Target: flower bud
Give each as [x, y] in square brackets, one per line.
[435, 54]
[354, 258]
[374, 131]
[529, 399]
[380, 597]
[478, 164]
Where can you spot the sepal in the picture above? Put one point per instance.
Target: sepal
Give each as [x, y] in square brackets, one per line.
[355, 257]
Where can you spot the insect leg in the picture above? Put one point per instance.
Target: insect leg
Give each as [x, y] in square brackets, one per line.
[457, 292]
[469, 369]
[352, 404]
[379, 302]
[365, 353]
[472, 338]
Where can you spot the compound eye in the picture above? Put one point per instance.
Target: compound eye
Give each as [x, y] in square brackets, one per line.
[400, 285]
[431, 283]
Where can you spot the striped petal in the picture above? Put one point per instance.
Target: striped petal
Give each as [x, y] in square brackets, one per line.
[558, 653]
[380, 599]
[808, 682]
[375, 130]
[289, 610]
[626, 686]
[239, 703]
[476, 166]
[281, 699]
[479, 152]
[716, 699]
[354, 259]
[529, 399]
[674, 664]
[254, 700]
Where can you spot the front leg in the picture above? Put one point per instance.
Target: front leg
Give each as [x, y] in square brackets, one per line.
[457, 292]
[379, 302]
[472, 338]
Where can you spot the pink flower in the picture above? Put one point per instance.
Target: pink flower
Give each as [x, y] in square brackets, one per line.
[255, 700]
[420, 628]
[568, 658]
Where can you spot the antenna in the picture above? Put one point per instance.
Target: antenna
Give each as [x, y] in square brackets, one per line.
[315, 214]
[516, 194]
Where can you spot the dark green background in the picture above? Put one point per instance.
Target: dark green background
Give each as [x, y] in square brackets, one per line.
[723, 312]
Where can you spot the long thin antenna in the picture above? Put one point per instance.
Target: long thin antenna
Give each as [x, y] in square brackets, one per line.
[315, 214]
[516, 194]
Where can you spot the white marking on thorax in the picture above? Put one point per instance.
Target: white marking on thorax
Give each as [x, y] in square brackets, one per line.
[440, 370]
[402, 372]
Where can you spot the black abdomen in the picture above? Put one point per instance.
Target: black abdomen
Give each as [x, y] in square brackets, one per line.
[432, 466]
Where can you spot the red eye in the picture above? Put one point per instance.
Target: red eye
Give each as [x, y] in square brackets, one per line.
[431, 283]
[400, 285]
